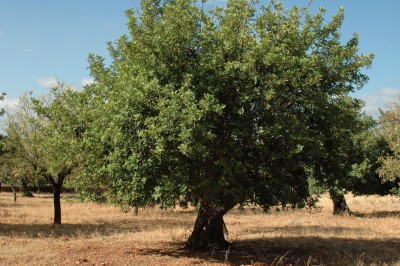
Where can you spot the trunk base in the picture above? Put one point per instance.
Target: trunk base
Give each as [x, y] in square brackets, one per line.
[209, 228]
[340, 206]
[14, 194]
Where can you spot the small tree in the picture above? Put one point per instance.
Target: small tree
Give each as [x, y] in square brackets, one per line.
[15, 172]
[40, 137]
[2, 95]
[21, 145]
[219, 106]
[61, 143]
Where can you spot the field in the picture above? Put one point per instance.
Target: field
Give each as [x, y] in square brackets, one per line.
[95, 234]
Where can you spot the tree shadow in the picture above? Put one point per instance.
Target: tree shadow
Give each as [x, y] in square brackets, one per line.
[64, 230]
[96, 228]
[294, 250]
[378, 214]
[10, 204]
[312, 229]
[4, 204]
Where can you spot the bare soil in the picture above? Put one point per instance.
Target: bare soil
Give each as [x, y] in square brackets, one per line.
[97, 234]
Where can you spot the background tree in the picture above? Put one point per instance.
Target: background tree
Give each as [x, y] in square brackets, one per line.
[2, 96]
[389, 123]
[15, 172]
[60, 147]
[364, 174]
[41, 139]
[349, 158]
[217, 105]
[21, 143]
[337, 125]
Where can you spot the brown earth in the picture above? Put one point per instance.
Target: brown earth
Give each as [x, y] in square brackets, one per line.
[96, 234]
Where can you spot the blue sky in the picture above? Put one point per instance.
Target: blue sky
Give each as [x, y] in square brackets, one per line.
[45, 40]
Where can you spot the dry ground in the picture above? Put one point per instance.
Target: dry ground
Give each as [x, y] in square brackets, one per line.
[94, 234]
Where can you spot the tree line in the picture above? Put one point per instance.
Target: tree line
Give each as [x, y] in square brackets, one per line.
[224, 107]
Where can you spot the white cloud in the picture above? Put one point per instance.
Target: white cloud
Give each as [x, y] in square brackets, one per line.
[8, 104]
[380, 99]
[47, 82]
[87, 81]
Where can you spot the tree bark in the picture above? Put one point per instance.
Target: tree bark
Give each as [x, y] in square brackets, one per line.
[135, 210]
[57, 203]
[57, 186]
[14, 193]
[209, 227]
[340, 206]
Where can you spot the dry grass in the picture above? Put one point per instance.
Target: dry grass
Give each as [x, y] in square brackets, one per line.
[94, 234]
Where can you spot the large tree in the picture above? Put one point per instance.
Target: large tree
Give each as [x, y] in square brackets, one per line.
[216, 105]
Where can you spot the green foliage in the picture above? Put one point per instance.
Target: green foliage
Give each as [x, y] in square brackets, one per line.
[337, 124]
[227, 105]
[364, 173]
[21, 145]
[390, 162]
[40, 138]
[349, 157]
[314, 187]
[60, 145]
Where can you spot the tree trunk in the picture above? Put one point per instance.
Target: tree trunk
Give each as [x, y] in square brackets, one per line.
[340, 206]
[57, 186]
[25, 189]
[135, 210]
[14, 193]
[209, 227]
[57, 203]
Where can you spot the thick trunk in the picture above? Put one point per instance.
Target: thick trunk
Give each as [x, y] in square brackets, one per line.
[209, 227]
[340, 206]
[57, 204]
